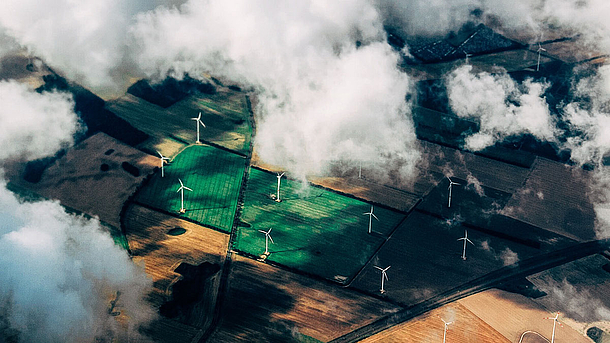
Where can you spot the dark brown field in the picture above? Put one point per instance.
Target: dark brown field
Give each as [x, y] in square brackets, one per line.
[149, 243]
[266, 304]
[554, 197]
[78, 181]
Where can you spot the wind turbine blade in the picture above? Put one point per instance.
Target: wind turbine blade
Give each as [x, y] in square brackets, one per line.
[188, 189]
[469, 241]
[271, 239]
[449, 323]
[262, 231]
[282, 174]
[461, 239]
[374, 216]
[200, 122]
[386, 276]
[181, 184]
[388, 267]
[378, 268]
[269, 231]
[159, 153]
[179, 189]
[199, 117]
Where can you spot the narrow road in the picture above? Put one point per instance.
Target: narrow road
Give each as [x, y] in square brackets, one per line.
[519, 270]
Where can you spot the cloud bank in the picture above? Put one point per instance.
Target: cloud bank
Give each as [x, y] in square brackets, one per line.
[34, 125]
[328, 84]
[58, 272]
[501, 106]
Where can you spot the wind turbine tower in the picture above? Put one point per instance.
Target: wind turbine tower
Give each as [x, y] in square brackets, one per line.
[555, 322]
[466, 240]
[467, 55]
[163, 161]
[445, 330]
[267, 239]
[384, 277]
[451, 184]
[279, 180]
[371, 216]
[540, 49]
[181, 190]
[198, 122]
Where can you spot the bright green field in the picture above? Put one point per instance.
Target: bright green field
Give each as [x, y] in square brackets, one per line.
[215, 177]
[315, 230]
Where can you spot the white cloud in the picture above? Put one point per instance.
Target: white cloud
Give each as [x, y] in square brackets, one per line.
[34, 125]
[589, 116]
[321, 98]
[59, 273]
[502, 106]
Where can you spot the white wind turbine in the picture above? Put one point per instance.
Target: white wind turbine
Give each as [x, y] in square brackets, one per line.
[198, 120]
[384, 277]
[279, 180]
[451, 184]
[371, 216]
[445, 330]
[540, 49]
[267, 239]
[555, 322]
[466, 240]
[181, 190]
[163, 161]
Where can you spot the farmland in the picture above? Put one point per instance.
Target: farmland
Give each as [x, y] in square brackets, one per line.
[315, 230]
[424, 255]
[465, 327]
[518, 314]
[150, 241]
[267, 304]
[553, 199]
[214, 175]
[225, 114]
[91, 179]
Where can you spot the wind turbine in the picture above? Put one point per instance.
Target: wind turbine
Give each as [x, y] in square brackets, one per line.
[198, 120]
[371, 216]
[384, 277]
[555, 321]
[466, 240]
[163, 160]
[360, 170]
[445, 330]
[279, 180]
[181, 190]
[540, 49]
[451, 184]
[267, 238]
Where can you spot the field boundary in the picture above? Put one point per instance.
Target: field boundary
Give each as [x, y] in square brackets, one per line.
[347, 195]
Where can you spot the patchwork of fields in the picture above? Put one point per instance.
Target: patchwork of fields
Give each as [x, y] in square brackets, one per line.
[315, 230]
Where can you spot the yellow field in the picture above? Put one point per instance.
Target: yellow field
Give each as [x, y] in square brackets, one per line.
[513, 314]
[466, 327]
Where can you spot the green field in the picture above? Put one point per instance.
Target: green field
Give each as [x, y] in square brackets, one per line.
[226, 116]
[215, 177]
[315, 230]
